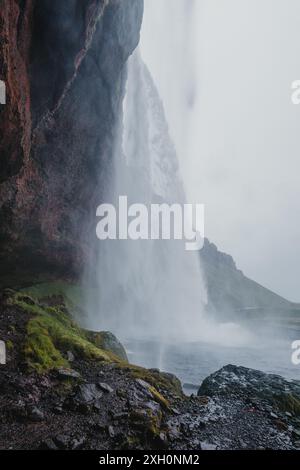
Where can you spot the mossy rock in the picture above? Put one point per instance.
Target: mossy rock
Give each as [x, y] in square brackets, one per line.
[159, 398]
[288, 403]
[108, 342]
[146, 421]
[173, 380]
[51, 332]
[158, 380]
[9, 345]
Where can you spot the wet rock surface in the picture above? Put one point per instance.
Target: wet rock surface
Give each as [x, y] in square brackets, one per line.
[101, 405]
[64, 65]
[249, 383]
[241, 408]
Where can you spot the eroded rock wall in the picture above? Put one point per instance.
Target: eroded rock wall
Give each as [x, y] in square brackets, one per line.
[64, 67]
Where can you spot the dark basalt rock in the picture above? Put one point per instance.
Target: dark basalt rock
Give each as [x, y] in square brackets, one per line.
[64, 68]
[35, 414]
[239, 408]
[88, 393]
[252, 384]
[67, 373]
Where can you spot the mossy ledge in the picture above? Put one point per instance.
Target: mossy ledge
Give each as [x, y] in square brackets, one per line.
[51, 333]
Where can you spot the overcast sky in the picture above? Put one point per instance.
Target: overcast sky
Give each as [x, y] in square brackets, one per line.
[224, 69]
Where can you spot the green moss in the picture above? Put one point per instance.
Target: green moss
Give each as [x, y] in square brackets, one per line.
[289, 403]
[154, 424]
[9, 345]
[108, 342]
[146, 421]
[74, 295]
[40, 291]
[51, 332]
[131, 443]
[159, 398]
[39, 349]
[156, 379]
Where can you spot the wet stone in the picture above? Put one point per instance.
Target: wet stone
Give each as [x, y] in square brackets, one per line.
[105, 387]
[35, 414]
[68, 373]
[207, 446]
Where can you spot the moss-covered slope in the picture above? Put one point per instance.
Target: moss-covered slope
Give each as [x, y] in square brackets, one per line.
[51, 333]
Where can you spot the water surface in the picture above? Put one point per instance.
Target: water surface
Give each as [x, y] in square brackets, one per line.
[192, 362]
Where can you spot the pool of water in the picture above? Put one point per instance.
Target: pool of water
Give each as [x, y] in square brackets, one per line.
[192, 362]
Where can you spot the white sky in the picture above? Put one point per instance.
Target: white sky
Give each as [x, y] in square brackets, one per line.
[224, 69]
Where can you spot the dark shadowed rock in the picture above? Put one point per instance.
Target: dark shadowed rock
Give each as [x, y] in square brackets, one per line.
[248, 383]
[48, 444]
[77, 443]
[62, 441]
[88, 393]
[35, 414]
[64, 68]
[64, 373]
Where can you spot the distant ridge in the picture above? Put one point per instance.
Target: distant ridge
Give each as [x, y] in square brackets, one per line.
[230, 290]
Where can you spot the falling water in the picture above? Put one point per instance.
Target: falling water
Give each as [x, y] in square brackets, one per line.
[150, 289]
[152, 292]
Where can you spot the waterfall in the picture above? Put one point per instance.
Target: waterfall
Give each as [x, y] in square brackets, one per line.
[151, 289]
[147, 288]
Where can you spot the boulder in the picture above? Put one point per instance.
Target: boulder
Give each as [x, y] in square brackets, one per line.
[88, 393]
[108, 342]
[246, 383]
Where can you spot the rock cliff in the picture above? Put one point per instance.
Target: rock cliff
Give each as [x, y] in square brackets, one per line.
[230, 291]
[64, 65]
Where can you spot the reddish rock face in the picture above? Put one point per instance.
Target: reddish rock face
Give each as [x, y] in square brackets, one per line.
[15, 123]
[64, 65]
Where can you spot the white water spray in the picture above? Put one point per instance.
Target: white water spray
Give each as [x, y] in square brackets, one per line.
[149, 288]
[152, 292]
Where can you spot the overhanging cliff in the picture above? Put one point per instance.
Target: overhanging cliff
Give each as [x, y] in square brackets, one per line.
[64, 67]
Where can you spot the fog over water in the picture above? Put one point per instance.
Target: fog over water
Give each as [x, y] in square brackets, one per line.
[199, 122]
[224, 71]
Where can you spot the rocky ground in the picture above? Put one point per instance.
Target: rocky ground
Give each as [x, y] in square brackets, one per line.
[65, 388]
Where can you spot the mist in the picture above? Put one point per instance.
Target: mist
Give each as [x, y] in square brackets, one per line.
[126, 323]
[224, 72]
[197, 126]
[151, 289]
